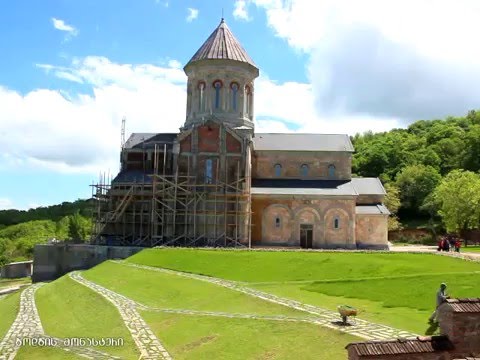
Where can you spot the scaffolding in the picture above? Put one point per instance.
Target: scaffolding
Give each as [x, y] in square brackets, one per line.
[169, 209]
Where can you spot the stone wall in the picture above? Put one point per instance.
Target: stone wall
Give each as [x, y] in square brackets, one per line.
[54, 260]
[263, 163]
[293, 211]
[16, 270]
[371, 231]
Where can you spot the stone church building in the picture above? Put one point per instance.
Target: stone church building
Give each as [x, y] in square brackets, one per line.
[218, 183]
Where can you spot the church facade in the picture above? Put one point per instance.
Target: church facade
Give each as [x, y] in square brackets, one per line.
[218, 183]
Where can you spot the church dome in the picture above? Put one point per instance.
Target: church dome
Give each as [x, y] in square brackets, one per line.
[222, 45]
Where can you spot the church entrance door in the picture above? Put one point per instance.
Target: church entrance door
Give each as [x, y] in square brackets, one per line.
[306, 236]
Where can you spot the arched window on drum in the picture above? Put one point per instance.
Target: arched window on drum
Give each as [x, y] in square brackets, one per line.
[201, 96]
[234, 88]
[248, 101]
[217, 86]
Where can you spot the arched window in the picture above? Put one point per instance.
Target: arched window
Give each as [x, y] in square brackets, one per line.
[278, 170]
[278, 222]
[304, 170]
[208, 171]
[234, 87]
[201, 96]
[217, 85]
[248, 100]
[336, 223]
[331, 171]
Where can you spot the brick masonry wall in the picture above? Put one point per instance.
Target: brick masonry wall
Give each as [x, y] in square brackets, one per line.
[295, 211]
[263, 164]
[371, 231]
[463, 329]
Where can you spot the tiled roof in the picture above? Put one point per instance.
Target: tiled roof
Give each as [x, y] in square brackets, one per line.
[421, 344]
[222, 44]
[464, 305]
[301, 142]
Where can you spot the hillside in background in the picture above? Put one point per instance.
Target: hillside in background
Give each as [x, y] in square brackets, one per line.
[414, 164]
[20, 230]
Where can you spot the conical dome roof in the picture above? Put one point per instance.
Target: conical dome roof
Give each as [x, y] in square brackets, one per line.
[222, 44]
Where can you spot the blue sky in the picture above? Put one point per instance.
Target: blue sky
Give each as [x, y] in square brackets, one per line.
[72, 69]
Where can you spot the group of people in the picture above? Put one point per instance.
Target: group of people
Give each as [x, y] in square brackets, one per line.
[449, 243]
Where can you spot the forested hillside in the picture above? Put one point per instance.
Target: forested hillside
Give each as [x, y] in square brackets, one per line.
[430, 171]
[433, 165]
[20, 230]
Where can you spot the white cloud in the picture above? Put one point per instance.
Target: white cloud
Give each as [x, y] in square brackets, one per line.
[62, 26]
[240, 10]
[192, 14]
[81, 132]
[6, 204]
[383, 59]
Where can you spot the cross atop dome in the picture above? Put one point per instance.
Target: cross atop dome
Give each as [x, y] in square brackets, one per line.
[222, 44]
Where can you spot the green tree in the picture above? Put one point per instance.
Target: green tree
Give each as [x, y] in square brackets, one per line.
[458, 199]
[392, 202]
[415, 183]
[77, 227]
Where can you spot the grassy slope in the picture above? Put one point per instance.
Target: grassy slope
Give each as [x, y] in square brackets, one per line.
[170, 291]
[79, 312]
[6, 283]
[45, 353]
[390, 288]
[220, 338]
[9, 306]
[258, 266]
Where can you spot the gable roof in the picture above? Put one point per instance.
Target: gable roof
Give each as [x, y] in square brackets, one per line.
[301, 142]
[222, 44]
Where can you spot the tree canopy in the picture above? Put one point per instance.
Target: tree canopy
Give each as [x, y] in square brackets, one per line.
[458, 200]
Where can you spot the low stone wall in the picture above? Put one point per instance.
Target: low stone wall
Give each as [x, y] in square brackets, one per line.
[54, 260]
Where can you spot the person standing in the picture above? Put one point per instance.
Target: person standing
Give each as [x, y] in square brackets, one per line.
[441, 298]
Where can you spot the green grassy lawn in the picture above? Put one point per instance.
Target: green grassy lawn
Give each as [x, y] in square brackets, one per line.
[197, 337]
[9, 306]
[404, 303]
[395, 289]
[267, 266]
[45, 353]
[475, 248]
[69, 309]
[6, 283]
[160, 290]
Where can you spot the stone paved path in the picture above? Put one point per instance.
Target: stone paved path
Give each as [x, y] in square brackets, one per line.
[323, 317]
[146, 341]
[232, 315]
[27, 325]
